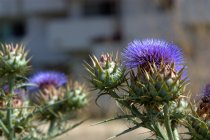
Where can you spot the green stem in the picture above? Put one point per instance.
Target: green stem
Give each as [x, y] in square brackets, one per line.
[160, 132]
[64, 131]
[167, 122]
[51, 129]
[6, 131]
[137, 114]
[133, 109]
[11, 135]
[176, 134]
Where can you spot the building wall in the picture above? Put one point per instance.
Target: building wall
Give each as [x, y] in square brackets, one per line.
[63, 32]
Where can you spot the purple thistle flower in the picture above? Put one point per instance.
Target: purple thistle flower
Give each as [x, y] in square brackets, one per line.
[139, 53]
[47, 79]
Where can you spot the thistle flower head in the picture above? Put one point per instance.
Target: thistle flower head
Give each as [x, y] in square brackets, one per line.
[160, 74]
[53, 87]
[61, 101]
[141, 53]
[105, 73]
[13, 60]
[47, 79]
[204, 106]
[48, 84]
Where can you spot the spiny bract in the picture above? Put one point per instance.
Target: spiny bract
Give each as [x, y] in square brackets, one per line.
[157, 86]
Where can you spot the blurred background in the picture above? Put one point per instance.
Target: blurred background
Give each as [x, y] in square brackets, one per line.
[60, 34]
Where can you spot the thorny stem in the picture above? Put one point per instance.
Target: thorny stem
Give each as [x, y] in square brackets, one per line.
[3, 126]
[51, 129]
[11, 135]
[167, 122]
[133, 109]
[160, 131]
[176, 134]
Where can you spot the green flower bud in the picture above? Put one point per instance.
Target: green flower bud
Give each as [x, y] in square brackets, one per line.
[13, 60]
[105, 73]
[75, 96]
[178, 109]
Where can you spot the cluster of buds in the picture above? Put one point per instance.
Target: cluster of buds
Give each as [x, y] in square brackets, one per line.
[106, 73]
[13, 60]
[54, 91]
[46, 97]
[155, 89]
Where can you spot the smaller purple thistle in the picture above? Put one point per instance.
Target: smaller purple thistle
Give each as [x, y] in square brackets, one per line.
[203, 109]
[140, 53]
[206, 94]
[47, 79]
[18, 92]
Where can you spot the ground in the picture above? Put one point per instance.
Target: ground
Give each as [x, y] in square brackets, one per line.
[104, 131]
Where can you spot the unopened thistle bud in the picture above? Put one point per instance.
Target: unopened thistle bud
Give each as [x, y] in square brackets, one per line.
[160, 71]
[75, 96]
[13, 60]
[17, 102]
[18, 115]
[105, 73]
[179, 109]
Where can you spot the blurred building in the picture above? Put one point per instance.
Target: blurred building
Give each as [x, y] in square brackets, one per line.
[61, 33]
